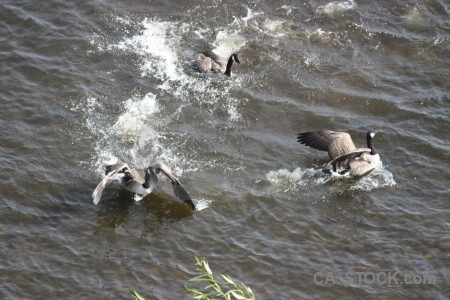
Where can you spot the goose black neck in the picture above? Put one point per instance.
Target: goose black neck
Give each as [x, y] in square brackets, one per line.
[229, 64]
[370, 144]
[148, 176]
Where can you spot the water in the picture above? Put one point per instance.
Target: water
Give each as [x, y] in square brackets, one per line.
[86, 84]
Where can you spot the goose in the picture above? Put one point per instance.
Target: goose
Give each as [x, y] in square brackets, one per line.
[209, 61]
[346, 159]
[141, 182]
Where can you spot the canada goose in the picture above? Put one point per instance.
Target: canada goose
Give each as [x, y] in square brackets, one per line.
[142, 181]
[209, 61]
[345, 158]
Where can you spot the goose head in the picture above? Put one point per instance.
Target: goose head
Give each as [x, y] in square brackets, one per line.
[370, 136]
[235, 58]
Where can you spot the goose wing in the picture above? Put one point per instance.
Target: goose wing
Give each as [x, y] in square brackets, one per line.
[335, 143]
[209, 61]
[182, 195]
[204, 63]
[178, 189]
[110, 171]
[343, 162]
[217, 58]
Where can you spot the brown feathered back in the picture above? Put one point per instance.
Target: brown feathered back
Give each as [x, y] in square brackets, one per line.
[209, 61]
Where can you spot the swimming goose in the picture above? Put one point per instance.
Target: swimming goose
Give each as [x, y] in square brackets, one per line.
[346, 159]
[141, 182]
[209, 61]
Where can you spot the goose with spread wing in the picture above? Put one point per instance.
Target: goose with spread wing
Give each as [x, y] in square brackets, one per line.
[346, 159]
[141, 182]
[209, 61]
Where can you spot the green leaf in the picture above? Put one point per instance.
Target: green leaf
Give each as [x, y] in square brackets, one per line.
[249, 290]
[214, 288]
[227, 279]
[209, 286]
[206, 266]
[237, 296]
[199, 278]
[136, 295]
[192, 290]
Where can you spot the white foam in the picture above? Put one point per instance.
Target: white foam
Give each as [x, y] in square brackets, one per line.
[311, 59]
[233, 113]
[201, 204]
[162, 57]
[322, 36]
[319, 32]
[288, 9]
[228, 42]
[95, 123]
[414, 18]
[135, 121]
[274, 27]
[288, 181]
[336, 7]
[154, 44]
[378, 178]
[131, 137]
[250, 15]
[103, 157]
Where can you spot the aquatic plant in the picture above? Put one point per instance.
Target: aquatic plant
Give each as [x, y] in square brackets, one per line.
[215, 287]
[136, 296]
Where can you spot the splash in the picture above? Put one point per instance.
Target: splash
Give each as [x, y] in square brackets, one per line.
[378, 178]
[132, 136]
[290, 181]
[230, 40]
[159, 46]
[201, 204]
[227, 43]
[275, 28]
[155, 46]
[135, 122]
[250, 15]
